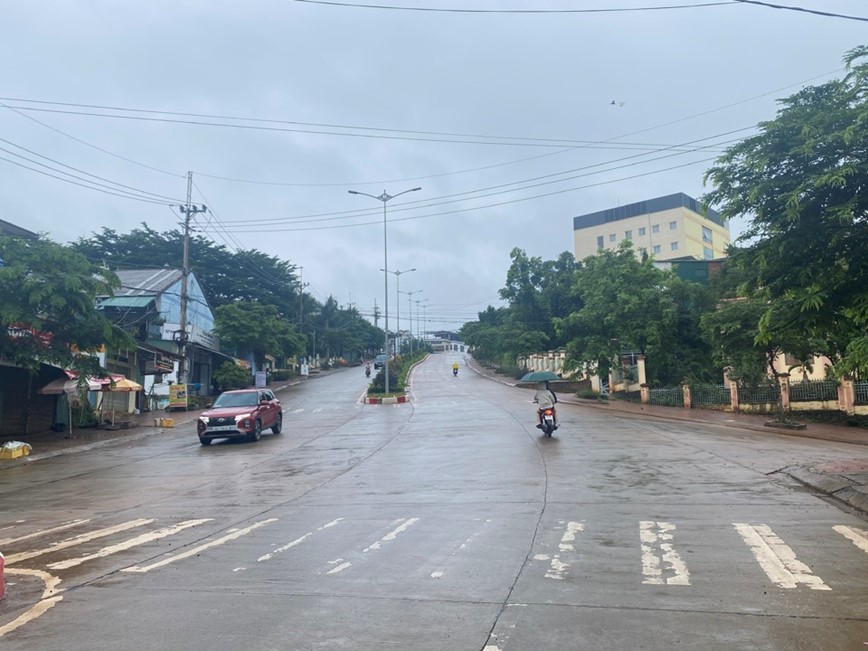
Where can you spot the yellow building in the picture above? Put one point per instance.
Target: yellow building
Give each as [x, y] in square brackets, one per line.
[674, 226]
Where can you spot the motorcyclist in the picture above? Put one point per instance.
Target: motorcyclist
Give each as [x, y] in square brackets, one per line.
[454, 368]
[546, 399]
[368, 369]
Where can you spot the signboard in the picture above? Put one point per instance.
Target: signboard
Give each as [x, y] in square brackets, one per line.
[178, 396]
[260, 380]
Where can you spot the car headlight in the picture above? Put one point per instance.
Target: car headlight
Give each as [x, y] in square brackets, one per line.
[241, 417]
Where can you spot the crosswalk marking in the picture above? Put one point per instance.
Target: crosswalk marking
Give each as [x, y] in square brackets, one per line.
[298, 541]
[658, 550]
[858, 537]
[195, 550]
[77, 540]
[128, 544]
[44, 532]
[558, 568]
[777, 559]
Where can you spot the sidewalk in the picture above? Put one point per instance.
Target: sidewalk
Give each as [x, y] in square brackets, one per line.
[844, 481]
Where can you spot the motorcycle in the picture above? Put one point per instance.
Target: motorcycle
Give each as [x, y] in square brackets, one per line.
[368, 371]
[548, 421]
[455, 372]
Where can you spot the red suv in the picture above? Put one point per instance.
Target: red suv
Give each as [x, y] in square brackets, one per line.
[237, 414]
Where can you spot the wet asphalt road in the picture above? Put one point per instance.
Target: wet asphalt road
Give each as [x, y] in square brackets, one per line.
[448, 523]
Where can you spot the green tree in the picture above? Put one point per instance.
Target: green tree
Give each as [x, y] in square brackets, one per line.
[801, 181]
[48, 307]
[230, 375]
[249, 327]
[627, 306]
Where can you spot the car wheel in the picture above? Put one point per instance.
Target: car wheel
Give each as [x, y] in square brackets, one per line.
[278, 425]
[256, 434]
[204, 441]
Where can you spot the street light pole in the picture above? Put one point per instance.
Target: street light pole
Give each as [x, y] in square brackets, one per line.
[385, 198]
[410, 298]
[398, 305]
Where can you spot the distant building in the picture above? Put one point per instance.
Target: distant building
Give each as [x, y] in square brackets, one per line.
[11, 230]
[670, 227]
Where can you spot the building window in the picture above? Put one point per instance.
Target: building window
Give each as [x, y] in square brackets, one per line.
[673, 246]
[656, 248]
[706, 235]
[628, 235]
[600, 243]
[707, 254]
[673, 226]
[655, 228]
[612, 237]
[641, 231]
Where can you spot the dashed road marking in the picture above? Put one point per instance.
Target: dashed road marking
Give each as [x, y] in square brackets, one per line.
[298, 541]
[558, 568]
[298, 411]
[777, 559]
[406, 523]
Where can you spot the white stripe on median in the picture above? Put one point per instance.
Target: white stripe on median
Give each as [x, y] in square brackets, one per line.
[129, 544]
[777, 559]
[195, 550]
[44, 532]
[78, 540]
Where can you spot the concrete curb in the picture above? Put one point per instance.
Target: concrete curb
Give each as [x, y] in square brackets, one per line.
[837, 486]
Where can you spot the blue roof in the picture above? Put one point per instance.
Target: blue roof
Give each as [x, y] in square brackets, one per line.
[658, 204]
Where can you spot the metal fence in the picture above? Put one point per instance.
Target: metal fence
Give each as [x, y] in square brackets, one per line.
[808, 390]
[668, 397]
[861, 390]
[709, 395]
[762, 394]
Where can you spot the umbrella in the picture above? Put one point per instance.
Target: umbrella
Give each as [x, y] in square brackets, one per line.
[118, 383]
[540, 376]
[69, 387]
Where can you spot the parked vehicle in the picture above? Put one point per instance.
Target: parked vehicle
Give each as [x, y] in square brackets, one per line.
[379, 361]
[241, 414]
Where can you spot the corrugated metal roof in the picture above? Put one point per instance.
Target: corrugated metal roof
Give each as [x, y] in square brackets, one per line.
[146, 282]
[127, 301]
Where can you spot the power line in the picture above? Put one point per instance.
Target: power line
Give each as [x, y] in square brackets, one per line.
[83, 185]
[437, 137]
[355, 5]
[88, 144]
[80, 171]
[817, 12]
[492, 205]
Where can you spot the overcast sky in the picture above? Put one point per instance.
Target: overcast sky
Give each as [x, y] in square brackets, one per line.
[473, 105]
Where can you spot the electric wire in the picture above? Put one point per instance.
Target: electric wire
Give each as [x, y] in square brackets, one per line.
[817, 12]
[359, 5]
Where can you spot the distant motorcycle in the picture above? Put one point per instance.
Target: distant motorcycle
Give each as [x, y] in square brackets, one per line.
[455, 372]
[367, 371]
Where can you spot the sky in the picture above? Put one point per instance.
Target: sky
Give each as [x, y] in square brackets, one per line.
[511, 123]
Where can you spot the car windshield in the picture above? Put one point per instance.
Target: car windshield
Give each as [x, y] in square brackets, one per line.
[236, 400]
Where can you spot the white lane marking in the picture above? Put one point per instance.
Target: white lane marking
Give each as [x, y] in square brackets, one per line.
[298, 411]
[298, 541]
[239, 569]
[558, 568]
[858, 537]
[129, 544]
[440, 573]
[437, 575]
[195, 550]
[405, 524]
[77, 540]
[777, 559]
[392, 534]
[339, 568]
[317, 410]
[44, 532]
[50, 597]
[657, 550]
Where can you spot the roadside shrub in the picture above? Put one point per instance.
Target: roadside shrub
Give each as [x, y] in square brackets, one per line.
[281, 375]
[232, 376]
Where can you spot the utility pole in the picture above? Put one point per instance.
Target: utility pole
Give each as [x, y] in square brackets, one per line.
[301, 286]
[189, 211]
[376, 314]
